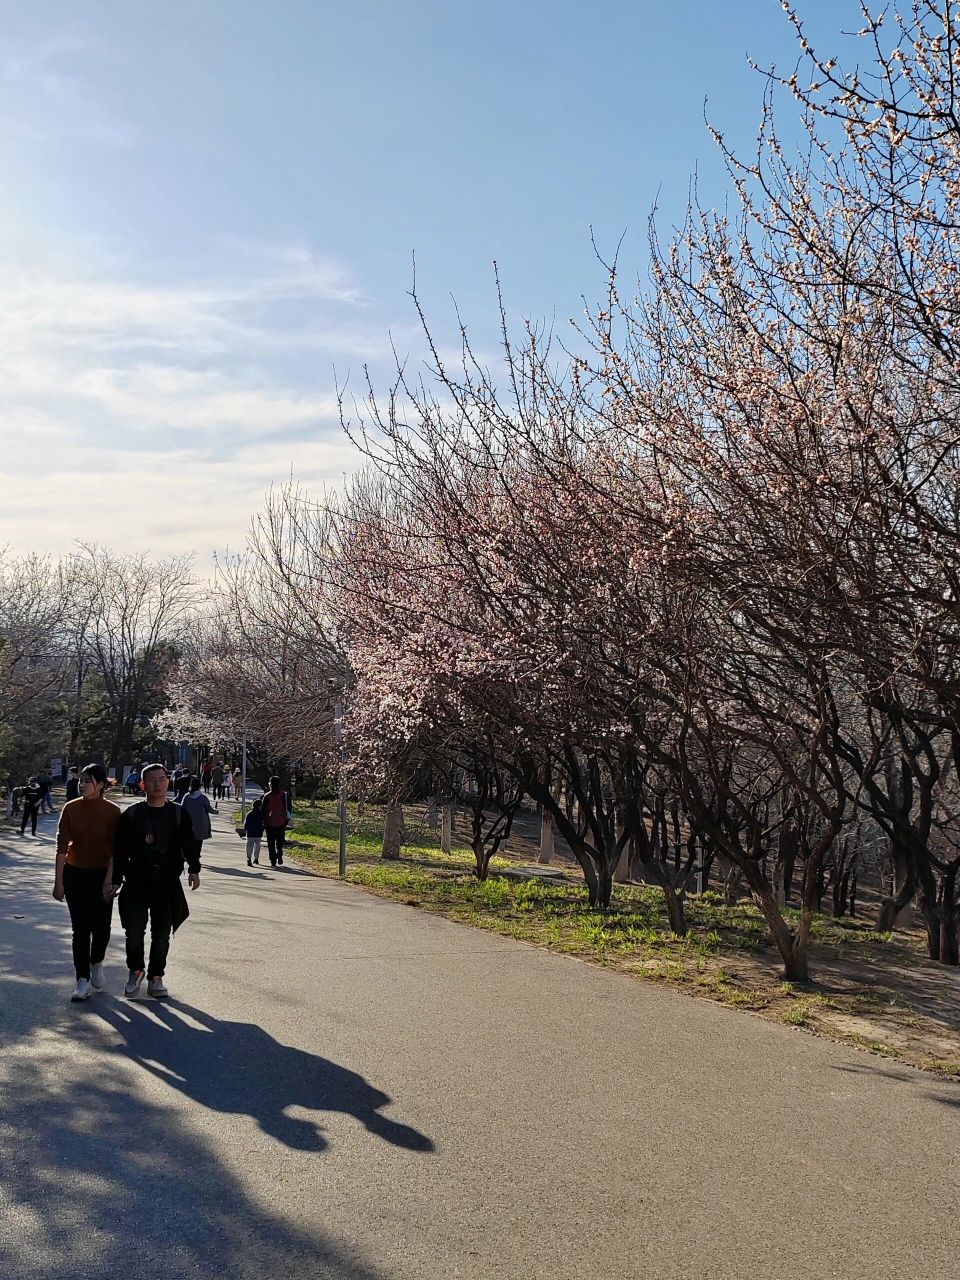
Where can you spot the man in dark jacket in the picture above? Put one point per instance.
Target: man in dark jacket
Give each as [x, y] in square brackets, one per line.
[154, 838]
[32, 795]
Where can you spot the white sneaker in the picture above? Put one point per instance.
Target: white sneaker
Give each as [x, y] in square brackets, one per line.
[82, 991]
[133, 984]
[96, 977]
[156, 988]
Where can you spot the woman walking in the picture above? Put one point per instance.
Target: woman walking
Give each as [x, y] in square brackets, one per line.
[197, 804]
[84, 859]
[276, 815]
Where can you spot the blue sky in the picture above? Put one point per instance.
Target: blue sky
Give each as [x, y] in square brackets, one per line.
[207, 207]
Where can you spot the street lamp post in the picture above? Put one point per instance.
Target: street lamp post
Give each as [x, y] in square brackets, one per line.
[342, 791]
[243, 784]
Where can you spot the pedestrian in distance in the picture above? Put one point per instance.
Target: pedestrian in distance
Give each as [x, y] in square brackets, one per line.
[198, 805]
[238, 784]
[73, 784]
[253, 831]
[182, 784]
[85, 837]
[216, 777]
[31, 799]
[276, 818]
[153, 841]
[46, 796]
[205, 774]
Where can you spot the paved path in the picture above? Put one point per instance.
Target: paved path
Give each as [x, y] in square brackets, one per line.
[345, 1087]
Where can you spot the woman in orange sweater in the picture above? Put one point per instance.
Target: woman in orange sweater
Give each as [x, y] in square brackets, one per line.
[84, 858]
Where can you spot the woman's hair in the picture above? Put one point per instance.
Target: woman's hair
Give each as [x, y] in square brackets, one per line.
[95, 771]
[274, 783]
[194, 784]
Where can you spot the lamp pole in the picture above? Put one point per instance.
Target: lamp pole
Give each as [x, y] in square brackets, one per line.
[342, 791]
[243, 784]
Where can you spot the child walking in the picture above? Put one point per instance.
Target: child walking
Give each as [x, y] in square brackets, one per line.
[253, 830]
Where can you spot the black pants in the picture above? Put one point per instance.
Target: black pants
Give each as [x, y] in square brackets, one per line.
[30, 812]
[275, 844]
[89, 915]
[135, 909]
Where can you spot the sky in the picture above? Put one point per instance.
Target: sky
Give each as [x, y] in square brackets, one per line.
[209, 211]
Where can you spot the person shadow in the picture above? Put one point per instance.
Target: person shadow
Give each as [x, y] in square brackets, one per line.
[238, 1068]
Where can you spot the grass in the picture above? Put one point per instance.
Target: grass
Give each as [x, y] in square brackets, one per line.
[727, 955]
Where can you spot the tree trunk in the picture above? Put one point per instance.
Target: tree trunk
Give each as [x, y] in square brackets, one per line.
[392, 833]
[482, 855]
[731, 883]
[446, 830]
[949, 941]
[793, 947]
[621, 872]
[674, 903]
[675, 820]
[546, 836]
[604, 886]
[905, 885]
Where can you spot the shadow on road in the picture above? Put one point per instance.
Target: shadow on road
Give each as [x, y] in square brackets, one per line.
[246, 873]
[99, 1182]
[237, 1068]
[905, 1075]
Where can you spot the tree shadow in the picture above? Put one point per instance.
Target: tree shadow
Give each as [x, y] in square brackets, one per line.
[97, 1179]
[100, 1182]
[237, 1068]
[905, 1075]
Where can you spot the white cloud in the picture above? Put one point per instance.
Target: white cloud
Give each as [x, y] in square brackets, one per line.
[163, 502]
[156, 415]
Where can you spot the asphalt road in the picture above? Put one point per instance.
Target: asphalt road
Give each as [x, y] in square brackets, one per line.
[345, 1087]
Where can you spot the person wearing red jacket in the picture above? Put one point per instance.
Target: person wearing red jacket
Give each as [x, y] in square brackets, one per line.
[276, 817]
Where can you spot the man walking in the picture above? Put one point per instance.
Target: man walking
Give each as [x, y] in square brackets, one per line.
[32, 796]
[46, 794]
[198, 805]
[154, 838]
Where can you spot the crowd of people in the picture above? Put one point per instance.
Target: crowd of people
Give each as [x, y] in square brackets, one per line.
[137, 856]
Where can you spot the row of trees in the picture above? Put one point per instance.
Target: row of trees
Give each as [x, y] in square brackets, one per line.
[691, 582]
[88, 644]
